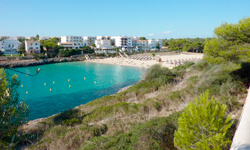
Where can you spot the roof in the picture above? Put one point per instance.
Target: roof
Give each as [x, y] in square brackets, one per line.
[66, 43]
[33, 41]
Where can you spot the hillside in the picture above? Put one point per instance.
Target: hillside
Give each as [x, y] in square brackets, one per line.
[145, 115]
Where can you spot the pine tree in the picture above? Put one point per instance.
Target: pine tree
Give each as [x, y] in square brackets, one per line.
[203, 125]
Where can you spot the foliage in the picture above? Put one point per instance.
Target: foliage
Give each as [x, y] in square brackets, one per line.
[66, 116]
[203, 125]
[87, 49]
[93, 45]
[142, 38]
[232, 43]
[188, 44]
[52, 55]
[22, 48]
[13, 113]
[153, 54]
[68, 52]
[156, 71]
[50, 45]
[158, 45]
[158, 133]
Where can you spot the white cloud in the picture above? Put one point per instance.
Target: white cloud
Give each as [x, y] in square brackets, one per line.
[151, 34]
[167, 32]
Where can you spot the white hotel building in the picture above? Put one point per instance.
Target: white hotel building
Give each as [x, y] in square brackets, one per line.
[104, 46]
[72, 42]
[152, 44]
[9, 46]
[32, 47]
[123, 42]
[87, 39]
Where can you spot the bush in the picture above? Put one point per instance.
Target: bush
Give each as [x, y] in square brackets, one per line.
[203, 125]
[67, 117]
[157, 72]
[52, 55]
[68, 52]
[13, 112]
[158, 133]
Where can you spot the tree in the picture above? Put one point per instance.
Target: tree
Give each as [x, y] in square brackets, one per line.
[153, 54]
[232, 43]
[143, 38]
[112, 42]
[90, 41]
[50, 45]
[93, 45]
[22, 48]
[37, 37]
[203, 125]
[158, 45]
[13, 113]
[87, 49]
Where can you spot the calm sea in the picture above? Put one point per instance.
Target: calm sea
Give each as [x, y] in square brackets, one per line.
[62, 86]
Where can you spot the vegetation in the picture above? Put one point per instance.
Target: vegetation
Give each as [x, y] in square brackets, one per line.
[13, 113]
[93, 45]
[142, 38]
[50, 45]
[188, 44]
[203, 125]
[158, 45]
[87, 49]
[232, 43]
[68, 52]
[151, 114]
[133, 118]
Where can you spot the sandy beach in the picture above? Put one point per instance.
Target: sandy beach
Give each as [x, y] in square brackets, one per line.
[145, 61]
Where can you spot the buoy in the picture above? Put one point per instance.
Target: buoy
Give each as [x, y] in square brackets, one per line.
[68, 80]
[45, 84]
[27, 92]
[50, 89]
[84, 78]
[95, 82]
[69, 86]
[21, 85]
[53, 82]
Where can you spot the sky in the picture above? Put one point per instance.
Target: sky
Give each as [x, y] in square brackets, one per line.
[150, 18]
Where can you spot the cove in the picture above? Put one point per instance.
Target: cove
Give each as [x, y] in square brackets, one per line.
[63, 86]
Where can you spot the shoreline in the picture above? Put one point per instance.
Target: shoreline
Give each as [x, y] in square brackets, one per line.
[34, 62]
[147, 61]
[166, 62]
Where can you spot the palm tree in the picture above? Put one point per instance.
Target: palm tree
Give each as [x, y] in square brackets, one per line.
[90, 41]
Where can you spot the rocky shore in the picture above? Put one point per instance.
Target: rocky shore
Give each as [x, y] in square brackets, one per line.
[34, 62]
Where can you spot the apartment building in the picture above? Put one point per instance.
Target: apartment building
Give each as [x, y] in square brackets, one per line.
[146, 44]
[89, 39]
[32, 47]
[123, 42]
[10, 46]
[74, 42]
[140, 44]
[103, 37]
[44, 38]
[104, 46]
[152, 44]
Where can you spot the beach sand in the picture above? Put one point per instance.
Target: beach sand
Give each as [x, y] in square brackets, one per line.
[168, 61]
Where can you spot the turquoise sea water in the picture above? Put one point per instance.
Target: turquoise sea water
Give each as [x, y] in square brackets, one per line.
[70, 84]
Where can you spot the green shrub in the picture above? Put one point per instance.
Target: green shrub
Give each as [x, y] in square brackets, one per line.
[158, 133]
[71, 122]
[156, 71]
[203, 125]
[66, 117]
